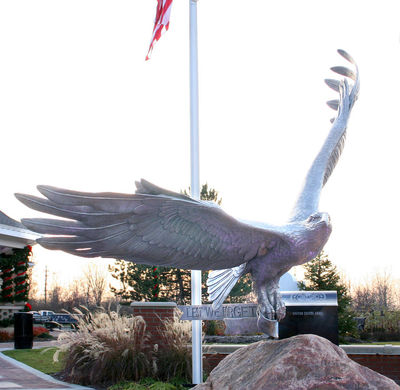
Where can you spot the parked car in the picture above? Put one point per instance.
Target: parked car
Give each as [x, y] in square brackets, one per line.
[37, 318]
[53, 320]
[46, 313]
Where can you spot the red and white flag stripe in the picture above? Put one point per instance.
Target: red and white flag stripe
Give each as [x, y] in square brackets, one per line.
[161, 22]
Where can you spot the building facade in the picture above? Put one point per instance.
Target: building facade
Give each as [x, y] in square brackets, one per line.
[15, 248]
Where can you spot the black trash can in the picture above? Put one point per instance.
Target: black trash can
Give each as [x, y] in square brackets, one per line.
[23, 330]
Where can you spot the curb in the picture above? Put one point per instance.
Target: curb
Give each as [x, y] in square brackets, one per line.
[38, 373]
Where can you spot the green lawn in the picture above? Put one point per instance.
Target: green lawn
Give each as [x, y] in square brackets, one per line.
[43, 361]
[36, 358]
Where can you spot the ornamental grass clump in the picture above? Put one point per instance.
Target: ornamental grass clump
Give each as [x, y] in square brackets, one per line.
[107, 348]
[173, 357]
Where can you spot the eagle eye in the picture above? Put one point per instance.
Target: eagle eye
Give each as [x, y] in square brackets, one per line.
[313, 218]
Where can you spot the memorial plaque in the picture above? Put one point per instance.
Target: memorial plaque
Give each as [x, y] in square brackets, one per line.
[312, 312]
[206, 312]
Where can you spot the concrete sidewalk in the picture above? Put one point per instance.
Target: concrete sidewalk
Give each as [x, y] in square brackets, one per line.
[15, 375]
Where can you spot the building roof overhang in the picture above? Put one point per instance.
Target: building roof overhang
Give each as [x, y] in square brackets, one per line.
[14, 235]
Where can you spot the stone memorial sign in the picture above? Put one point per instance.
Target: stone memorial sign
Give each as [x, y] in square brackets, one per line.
[310, 312]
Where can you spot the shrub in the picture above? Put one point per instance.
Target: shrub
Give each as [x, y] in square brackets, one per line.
[106, 348]
[383, 321]
[146, 384]
[38, 331]
[46, 336]
[161, 386]
[214, 327]
[381, 325]
[173, 358]
[128, 386]
[6, 336]
[6, 322]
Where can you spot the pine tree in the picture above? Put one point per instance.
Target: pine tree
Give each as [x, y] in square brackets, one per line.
[139, 282]
[322, 275]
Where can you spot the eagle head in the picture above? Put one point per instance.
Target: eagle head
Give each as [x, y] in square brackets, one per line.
[310, 236]
[318, 229]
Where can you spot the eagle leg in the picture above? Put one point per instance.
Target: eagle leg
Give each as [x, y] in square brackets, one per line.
[270, 304]
[271, 308]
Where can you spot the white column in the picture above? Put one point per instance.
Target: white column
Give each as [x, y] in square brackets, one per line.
[197, 370]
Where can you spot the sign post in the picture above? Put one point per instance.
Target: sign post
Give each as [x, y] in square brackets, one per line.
[197, 369]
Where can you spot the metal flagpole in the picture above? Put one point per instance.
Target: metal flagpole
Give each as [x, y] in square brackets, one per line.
[197, 369]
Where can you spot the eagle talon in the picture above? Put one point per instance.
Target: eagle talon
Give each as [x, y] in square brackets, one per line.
[280, 312]
[280, 308]
[270, 313]
[274, 308]
[267, 326]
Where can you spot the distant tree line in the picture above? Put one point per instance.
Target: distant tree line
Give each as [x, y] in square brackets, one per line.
[91, 290]
[380, 292]
[377, 303]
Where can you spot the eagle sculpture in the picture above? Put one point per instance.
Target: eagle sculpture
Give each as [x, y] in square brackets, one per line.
[159, 227]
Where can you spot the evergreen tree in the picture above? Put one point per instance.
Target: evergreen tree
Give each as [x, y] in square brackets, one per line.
[139, 282]
[240, 290]
[322, 275]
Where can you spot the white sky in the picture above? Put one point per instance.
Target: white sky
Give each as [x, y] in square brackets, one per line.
[81, 109]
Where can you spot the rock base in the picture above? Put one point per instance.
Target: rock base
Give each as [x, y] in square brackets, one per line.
[304, 362]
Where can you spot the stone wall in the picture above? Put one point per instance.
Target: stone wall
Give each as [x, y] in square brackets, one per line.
[7, 311]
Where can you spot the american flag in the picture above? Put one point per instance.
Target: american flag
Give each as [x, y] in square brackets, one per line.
[161, 23]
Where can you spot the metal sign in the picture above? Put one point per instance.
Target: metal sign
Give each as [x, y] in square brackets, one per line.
[206, 312]
[243, 310]
[309, 298]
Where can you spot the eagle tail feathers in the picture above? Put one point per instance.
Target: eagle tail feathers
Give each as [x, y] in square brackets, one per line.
[221, 282]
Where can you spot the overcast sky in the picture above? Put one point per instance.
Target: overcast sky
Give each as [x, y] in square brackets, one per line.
[81, 109]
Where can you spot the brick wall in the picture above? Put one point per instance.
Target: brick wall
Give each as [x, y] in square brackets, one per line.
[211, 360]
[382, 359]
[388, 365]
[154, 313]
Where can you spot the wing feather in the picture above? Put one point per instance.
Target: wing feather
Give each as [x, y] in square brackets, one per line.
[333, 84]
[326, 160]
[346, 92]
[153, 226]
[343, 71]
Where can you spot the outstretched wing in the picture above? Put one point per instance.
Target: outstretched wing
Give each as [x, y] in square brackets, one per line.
[327, 158]
[153, 226]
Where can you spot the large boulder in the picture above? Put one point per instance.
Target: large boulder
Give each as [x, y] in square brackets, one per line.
[304, 362]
